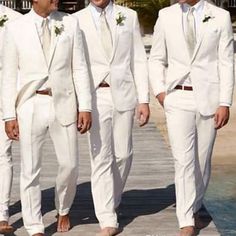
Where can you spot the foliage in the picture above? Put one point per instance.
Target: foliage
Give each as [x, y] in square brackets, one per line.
[147, 11]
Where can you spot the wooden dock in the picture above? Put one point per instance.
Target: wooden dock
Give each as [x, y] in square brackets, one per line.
[148, 204]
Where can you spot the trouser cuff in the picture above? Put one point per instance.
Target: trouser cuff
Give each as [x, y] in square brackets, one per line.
[185, 223]
[36, 230]
[64, 212]
[109, 224]
[4, 215]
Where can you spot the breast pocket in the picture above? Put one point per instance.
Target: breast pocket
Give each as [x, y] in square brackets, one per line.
[63, 48]
[64, 40]
[125, 36]
[212, 33]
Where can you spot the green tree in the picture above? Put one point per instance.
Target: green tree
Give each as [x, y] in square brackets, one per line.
[147, 11]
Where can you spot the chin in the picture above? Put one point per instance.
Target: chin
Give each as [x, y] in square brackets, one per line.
[182, 1]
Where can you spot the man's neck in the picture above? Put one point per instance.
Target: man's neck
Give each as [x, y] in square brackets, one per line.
[40, 12]
[192, 2]
[102, 6]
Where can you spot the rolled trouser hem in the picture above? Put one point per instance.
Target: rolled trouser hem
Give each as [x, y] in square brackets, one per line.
[186, 223]
[4, 212]
[109, 224]
[38, 230]
[4, 218]
[64, 212]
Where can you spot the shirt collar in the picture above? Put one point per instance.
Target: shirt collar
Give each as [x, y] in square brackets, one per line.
[37, 18]
[97, 10]
[197, 7]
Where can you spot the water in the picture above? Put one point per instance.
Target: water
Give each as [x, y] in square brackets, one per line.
[221, 199]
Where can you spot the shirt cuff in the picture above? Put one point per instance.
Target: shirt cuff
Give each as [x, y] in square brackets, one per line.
[85, 110]
[223, 104]
[9, 119]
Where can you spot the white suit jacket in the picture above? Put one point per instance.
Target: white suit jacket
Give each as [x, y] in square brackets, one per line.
[127, 67]
[11, 15]
[211, 68]
[66, 70]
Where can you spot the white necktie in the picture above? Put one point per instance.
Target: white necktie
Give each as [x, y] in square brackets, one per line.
[190, 31]
[46, 39]
[106, 36]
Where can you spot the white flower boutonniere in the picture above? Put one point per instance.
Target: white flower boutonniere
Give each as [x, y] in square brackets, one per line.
[207, 18]
[3, 19]
[58, 27]
[120, 18]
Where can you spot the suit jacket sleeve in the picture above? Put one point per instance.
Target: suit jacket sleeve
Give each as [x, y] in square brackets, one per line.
[12, 15]
[9, 75]
[158, 58]
[139, 64]
[226, 61]
[80, 73]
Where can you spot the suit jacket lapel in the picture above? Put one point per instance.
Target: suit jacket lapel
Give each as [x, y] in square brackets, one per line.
[92, 30]
[54, 40]
[179, 26]
[115, 33]
[204, 27]
[32, 32]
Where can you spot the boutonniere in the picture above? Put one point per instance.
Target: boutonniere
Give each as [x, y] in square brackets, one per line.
[3, 19]
[207, 18]
[58, 27]
[120, 18]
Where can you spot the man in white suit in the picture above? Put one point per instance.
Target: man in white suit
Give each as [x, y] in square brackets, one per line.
[47, 47]
[192, 75]
[6, 15]
[118, 68]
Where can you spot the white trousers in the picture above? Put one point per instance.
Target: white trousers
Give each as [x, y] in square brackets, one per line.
[192, 138]
[110, 141]
[5, 171]
[37, 116]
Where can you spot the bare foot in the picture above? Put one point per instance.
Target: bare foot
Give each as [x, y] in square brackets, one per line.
[5, 228]
[187, 231]
[63, 223]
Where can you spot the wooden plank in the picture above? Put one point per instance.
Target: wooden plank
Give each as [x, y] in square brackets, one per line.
[148, 204]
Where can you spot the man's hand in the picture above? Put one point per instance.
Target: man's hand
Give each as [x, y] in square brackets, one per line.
[161, 97]
[84, 121]
[143, 113]
[12, 129]
[221, 116]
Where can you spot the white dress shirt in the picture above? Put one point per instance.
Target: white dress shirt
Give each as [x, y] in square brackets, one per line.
[38, 20]
[96, 13]
[198, 14]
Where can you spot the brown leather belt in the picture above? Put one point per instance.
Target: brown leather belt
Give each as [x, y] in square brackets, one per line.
[103, 85]
[44, 92]
[182, 87]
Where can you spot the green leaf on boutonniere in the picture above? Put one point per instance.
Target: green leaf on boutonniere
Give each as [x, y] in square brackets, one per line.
[207, 18]
[120, 19]
[3, 19]
[58, 28]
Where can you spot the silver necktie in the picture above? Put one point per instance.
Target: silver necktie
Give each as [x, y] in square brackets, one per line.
[106, 37]
[190, 31]
[46, 39]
